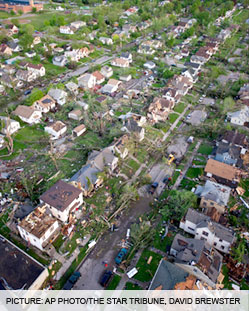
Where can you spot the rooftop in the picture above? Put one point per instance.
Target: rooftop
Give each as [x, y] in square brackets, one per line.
[60, 195]
[17, 268]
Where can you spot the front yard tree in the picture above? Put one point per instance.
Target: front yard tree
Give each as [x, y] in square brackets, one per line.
[177, 204]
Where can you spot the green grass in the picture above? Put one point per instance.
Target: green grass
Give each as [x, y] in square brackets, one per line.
[131, 286]
[244, 183]
[147, 271]
[205, 149]
[194, 172]
[187, 184]
[114, 282]
[58, 242]
[18, 147]
[180, 107]
[192, 146]
[226, 282]
[133, 164]
[141, 155]
[173, 117]
[160, 243]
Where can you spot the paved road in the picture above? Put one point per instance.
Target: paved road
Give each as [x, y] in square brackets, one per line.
[108, 246]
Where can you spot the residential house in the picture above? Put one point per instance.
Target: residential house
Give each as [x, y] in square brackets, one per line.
[56, 129]
[28, 114]
[62, 200]
[120, 62]
[11, 81]
[25, 75]
[198, 258]
[240, 117]
[106, 71]
[60, 96]
[2, 89]
[146, 50]
[235, 138]
[84, 52]
[229, 154]
[45, 104]
[78, 24]
[87, 80]
[120, 146]
[121, 34]
[102, 159]
[149, 65]
[5, 50]
[20, 271]
[87, 179]
[73, 55]
[129, 28]
[67, 30]
[8, 125]
[39, 228]
[39, 69]
[14, 46]
[125, 78]
[36, 40]
[167, 276]
[75, 114]
[111, 87]
[105, 40]
[30, 54]
[126, 56]
[131, 126]
[72, 87]
[159, 109]
[60, 61]
[203, 228]
[79, 130]
[213, 195]
[223, 173]
[13, 29]
[2, 143]
[99, 77]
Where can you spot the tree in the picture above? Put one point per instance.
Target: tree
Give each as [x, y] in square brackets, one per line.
[228, 105]
[177, 204]
[238, 251]
[35, 95]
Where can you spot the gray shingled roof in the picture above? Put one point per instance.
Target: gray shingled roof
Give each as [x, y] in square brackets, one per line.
[167, 276]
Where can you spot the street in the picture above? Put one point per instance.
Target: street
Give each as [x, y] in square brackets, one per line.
[108, 247]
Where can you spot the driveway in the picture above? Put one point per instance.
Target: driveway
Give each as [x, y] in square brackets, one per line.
[108, 246]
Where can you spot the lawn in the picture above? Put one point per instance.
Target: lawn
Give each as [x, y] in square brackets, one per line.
[187, 184]
[18, 147]
[146, 271]
[192, 146]
[134, 165]
[205, 149]
[173, 117]
[194, 172]
[179, 108]
[32, 135]
[58, 242]
[131, 286]
[141, 155]
[160, 243]
[244, 183]
[114, 282]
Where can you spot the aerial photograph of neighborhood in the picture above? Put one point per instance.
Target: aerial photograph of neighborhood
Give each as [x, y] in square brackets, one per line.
[124, 145]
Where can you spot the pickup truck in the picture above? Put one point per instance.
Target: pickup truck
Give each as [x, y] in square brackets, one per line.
[72, 280]
[121, 255]
[153, 187]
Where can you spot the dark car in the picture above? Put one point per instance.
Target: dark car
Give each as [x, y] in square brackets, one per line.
[153, 188]
[72, 280]
[105, 278]
[27, 92]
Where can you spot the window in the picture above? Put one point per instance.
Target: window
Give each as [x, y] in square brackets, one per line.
[204, 239]
[215, 243]
[211, 203]
[51, 229]
[204, 204]
[205, 233]
[222, 247]
[191, 229]
[220, 240]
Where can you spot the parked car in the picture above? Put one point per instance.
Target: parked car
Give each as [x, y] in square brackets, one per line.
[153, 187]
[121, 255]
[105, 278]
[27, 92]
[72, 280]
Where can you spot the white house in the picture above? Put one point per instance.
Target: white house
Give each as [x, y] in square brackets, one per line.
[62, 200]
[72, 55]
[60, 61]
[149, 65]
[78, 24]
[8, 125]
[45, 104]
[56, 129]
[58, 95]
[106, 71]
[67, 30]
[28, 114]
[75, 114]
[203, 228]
[38, 228]
[87, 80]
[105, 40]
[79, 130]
[239, 117]
[39, 69]
[120, 62]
